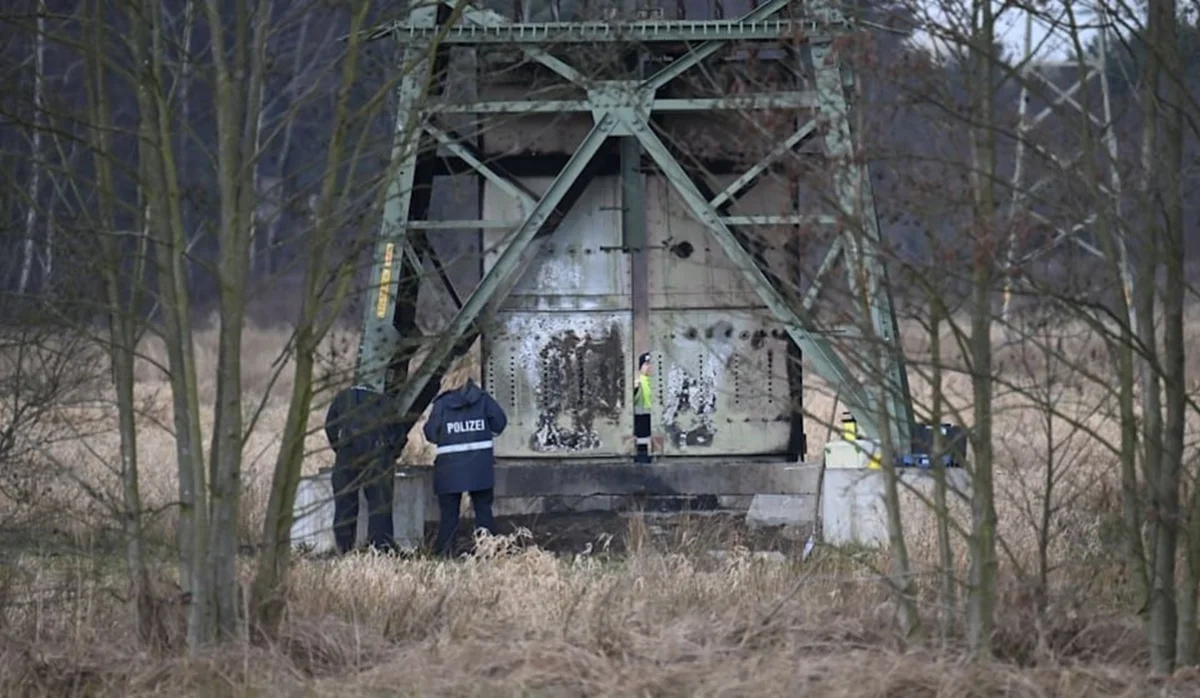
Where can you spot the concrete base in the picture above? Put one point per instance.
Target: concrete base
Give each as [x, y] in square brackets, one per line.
[557, 487]
[312, 523]
[853, 510]
[768, 510]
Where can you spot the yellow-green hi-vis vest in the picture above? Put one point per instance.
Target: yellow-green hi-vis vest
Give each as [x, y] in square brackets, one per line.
[643, 396]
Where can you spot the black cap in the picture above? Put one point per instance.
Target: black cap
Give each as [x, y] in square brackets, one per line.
[643, 359]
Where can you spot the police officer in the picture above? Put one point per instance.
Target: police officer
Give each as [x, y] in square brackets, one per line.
[367, 436]
[462, 423]
[643, 400]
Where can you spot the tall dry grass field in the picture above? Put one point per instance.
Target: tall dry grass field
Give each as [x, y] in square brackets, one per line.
[514, 620]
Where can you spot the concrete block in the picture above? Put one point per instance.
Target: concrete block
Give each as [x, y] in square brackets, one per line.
[852, 455]
[313, 516]
[852, 507]
[664, 477]
[409, 510]
[740, 502]
[312, 519]
[768, 510]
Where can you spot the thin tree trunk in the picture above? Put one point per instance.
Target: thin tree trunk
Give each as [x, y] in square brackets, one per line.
[238, 88]
[903, 584]
[35, 158]
[948, 593]
[182, 98]
[286, 147]
[121, 316]
[1174, 346]
[1046, 516]
[166, 222]
[269, 592]
[1186, 643]
[981, 593]
[1161, 622]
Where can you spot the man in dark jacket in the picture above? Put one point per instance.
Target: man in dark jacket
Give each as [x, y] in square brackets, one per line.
[367, 437]
[462, 423]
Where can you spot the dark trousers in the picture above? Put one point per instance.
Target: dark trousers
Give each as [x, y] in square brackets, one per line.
[641, 436]
[448, 506]
[377, 484]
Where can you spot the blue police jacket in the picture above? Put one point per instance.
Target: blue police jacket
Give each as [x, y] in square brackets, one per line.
[462, 423]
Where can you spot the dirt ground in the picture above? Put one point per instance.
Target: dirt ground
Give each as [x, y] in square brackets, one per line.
[661, 525]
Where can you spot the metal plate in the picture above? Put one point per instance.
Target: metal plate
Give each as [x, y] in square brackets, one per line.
[720, 382]
[533, 134]
[563, 379]
[688, 269]
[579, 267]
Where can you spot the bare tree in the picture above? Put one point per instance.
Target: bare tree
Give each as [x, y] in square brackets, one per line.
[35, 160]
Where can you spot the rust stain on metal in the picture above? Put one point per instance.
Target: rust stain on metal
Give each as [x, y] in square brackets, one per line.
[582, 381]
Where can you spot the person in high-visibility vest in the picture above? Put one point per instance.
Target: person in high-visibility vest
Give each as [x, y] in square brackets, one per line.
[643, 400]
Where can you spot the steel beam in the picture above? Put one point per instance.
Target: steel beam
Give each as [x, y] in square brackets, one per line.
[489, 19]
[507, 265]
[463, 224]
[814, 290]
[861, 245]
[811, 31]
[634, 239]
[780, 219]
[380, 341]
[514, 189]
[798, 99]
[762, 165]
[826, 361]
[713, 43]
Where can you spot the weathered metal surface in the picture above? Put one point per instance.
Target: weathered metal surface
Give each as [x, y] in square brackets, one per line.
[582, 10]
[530, 133]
[688, 269]
[721, 382]
[563, 379]
[580, 266]
[718, 282]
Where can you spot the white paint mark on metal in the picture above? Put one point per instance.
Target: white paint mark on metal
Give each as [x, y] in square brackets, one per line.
[693, 390]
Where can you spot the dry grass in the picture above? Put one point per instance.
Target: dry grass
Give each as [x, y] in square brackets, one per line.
[521, 622]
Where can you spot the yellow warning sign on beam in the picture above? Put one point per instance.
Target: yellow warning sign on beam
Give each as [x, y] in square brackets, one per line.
[385, 281]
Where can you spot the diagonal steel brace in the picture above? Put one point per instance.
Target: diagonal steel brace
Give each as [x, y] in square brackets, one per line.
[708, 48]
[759, 167]
[508, 263]
[514, 189]
[488, 18]
[825, 359]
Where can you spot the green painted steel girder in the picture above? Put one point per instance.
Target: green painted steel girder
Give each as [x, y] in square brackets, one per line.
[624, 109]
[500, 276]
[516, 190]
[860, 244]
[712, 44]
[825, 359]
[380, 342]
[773, 100]
[804, 219]
[810, 31]
[761, 166]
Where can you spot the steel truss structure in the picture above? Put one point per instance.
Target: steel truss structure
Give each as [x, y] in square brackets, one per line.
[1037, 74]
[623, 110]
